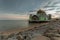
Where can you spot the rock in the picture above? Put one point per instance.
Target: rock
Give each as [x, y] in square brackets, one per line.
[41, 38]
[56, 38]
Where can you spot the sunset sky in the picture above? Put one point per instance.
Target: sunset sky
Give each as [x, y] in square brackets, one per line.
[19, 9]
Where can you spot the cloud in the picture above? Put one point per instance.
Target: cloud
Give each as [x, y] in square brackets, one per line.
[51, 6]
[13, 17]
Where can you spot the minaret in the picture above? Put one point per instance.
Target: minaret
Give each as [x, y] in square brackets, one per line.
[30, 16]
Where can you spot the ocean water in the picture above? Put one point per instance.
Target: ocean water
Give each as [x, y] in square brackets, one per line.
[12, 24]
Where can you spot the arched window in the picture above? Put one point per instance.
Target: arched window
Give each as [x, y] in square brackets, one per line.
[34, 17]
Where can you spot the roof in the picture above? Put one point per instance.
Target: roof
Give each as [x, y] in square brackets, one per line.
[40, 11]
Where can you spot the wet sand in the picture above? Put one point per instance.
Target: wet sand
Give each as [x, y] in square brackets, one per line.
[31, 26]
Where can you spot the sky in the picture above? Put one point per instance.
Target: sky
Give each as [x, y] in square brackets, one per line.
[19, 5]
[19, 9]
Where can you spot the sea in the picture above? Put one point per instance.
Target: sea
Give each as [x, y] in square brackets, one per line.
[12, 24]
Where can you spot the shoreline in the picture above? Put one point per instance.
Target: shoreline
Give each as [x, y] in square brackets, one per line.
[8, 32]
[23, 29]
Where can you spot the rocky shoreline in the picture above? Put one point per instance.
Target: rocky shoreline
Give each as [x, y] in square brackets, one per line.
[49, 31]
